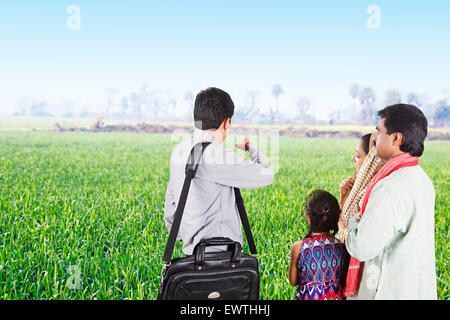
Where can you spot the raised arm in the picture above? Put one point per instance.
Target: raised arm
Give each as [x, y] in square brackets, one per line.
[225, 167]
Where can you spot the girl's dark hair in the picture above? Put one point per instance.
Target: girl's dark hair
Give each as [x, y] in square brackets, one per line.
[323, 210]
[366, 142]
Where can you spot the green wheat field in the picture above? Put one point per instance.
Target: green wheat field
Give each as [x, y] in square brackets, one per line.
[81, 214]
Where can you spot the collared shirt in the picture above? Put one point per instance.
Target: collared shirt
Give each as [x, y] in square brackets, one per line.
[211, 209]
[395, 238]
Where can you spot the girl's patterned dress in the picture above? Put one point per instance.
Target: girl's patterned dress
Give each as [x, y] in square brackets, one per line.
[322, 268]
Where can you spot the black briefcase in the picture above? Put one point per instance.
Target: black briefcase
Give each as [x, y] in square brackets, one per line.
[229, 275]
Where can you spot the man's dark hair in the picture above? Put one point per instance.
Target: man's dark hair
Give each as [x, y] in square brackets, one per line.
[211, 107]
[410, 122]
[323, 210]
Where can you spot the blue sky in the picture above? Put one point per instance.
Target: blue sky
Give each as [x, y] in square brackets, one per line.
[312, 48]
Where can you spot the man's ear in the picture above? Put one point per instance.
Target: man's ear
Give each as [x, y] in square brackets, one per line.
[397, 139]
[226, 123]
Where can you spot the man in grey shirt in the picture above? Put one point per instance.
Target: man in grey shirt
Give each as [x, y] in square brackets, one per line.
[211, 209]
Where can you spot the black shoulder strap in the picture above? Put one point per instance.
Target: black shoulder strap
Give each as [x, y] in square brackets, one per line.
[191, 170]
[244, 220]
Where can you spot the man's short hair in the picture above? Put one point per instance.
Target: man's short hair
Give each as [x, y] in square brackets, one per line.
[410, 122]
[211, 107]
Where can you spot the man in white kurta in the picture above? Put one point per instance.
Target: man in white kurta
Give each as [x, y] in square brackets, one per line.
[395, 235]
[395, 238]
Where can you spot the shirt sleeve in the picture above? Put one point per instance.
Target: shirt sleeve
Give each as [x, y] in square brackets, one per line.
[369, 235]
[169, 206]
[227, 168]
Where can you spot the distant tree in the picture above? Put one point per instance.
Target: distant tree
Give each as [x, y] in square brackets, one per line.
[252, 101]
[442, 114]
[149, 101]
[423, 103]
[110, 92]
[39, 110]
[189, 99]
[277, 90]
[272, 115]
[353, 91]
[123, 105]
[135, 105]
[23, 105]
[367, 100]
[414, 99]
[249, 111]
[303, 105]
[171, 105]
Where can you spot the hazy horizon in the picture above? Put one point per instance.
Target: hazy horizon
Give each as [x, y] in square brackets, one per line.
[313, 50]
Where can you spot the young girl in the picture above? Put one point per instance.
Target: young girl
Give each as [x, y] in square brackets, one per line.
[319, 262]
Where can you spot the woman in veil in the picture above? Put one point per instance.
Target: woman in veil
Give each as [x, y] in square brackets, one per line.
[353, 188]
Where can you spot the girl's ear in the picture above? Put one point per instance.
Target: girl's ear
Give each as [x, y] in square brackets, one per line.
[308, 219]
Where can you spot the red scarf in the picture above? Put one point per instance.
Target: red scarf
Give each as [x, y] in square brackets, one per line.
[401, 161]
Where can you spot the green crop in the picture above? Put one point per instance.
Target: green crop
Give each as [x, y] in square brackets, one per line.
[82, 214]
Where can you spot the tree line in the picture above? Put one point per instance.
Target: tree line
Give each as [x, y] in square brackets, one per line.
[156, 105]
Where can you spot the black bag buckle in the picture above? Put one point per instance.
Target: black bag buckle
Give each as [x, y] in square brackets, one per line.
[163, 272]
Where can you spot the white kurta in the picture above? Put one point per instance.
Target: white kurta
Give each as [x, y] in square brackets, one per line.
[395, 238]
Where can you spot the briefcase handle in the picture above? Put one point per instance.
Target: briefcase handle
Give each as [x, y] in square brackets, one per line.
[199, 250]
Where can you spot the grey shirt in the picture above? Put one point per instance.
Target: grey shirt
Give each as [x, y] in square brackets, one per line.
[211, 209]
